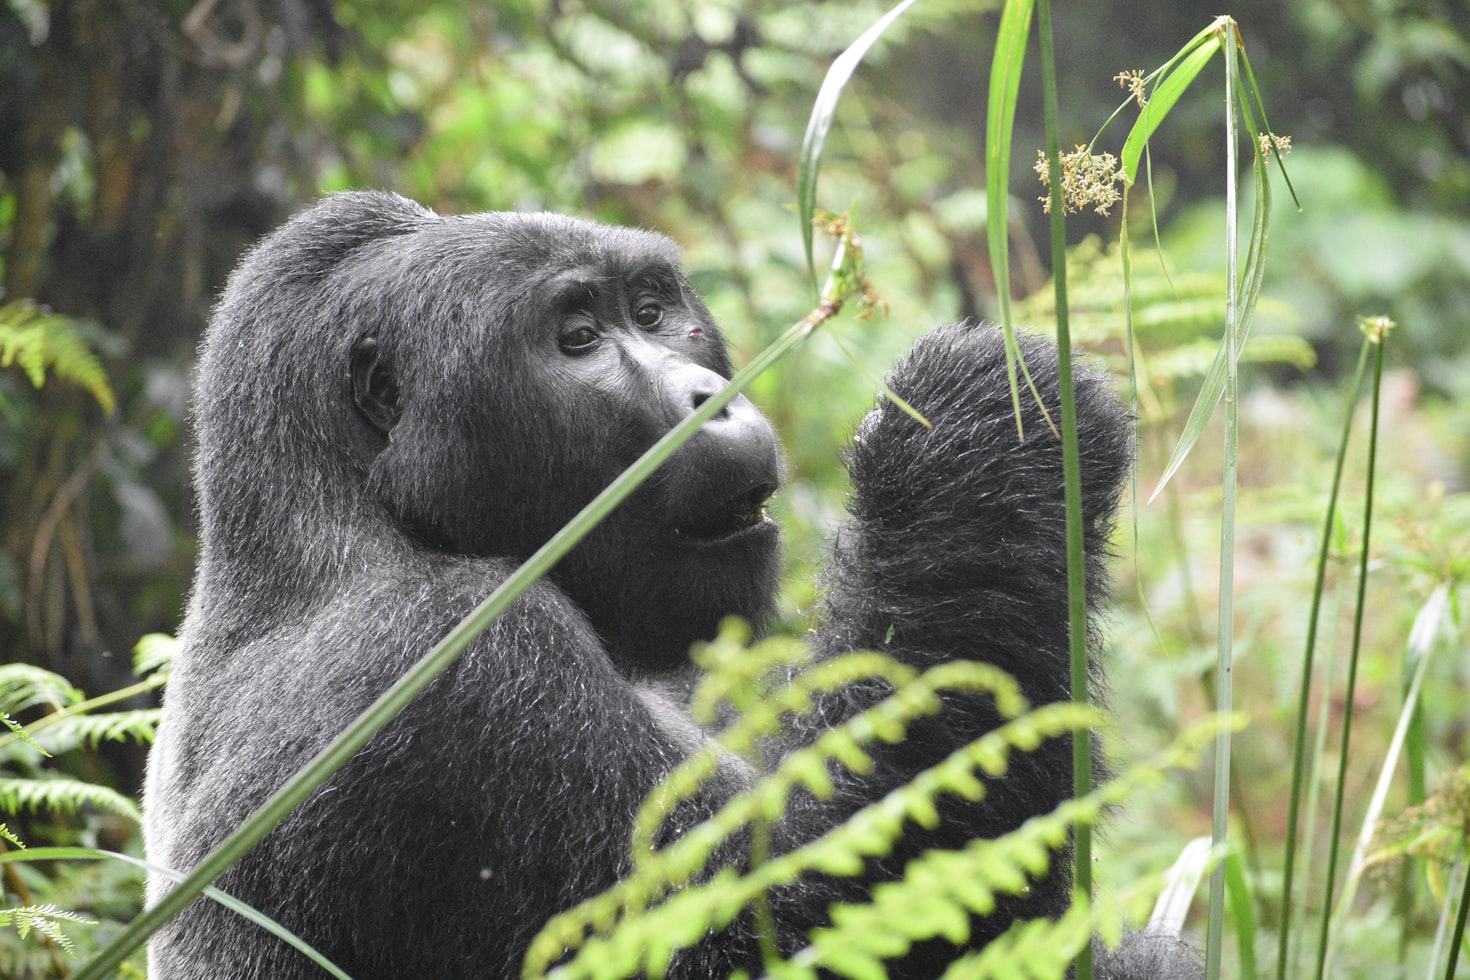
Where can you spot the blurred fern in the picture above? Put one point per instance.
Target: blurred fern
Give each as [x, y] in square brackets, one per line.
[1176, 319]
[39, 902]
[46, 920]
[37, 341]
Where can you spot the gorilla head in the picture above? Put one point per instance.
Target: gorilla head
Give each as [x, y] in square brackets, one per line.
[491, 357]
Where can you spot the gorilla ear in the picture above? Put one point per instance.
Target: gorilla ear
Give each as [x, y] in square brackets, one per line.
[374, 387]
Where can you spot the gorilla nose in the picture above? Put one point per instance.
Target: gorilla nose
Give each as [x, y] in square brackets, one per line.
[690, 386]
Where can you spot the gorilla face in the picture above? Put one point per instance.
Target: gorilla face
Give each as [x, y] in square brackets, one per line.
[580, 358]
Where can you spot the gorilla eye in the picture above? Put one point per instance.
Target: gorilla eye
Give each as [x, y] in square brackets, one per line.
[648, 315]
[578, 339]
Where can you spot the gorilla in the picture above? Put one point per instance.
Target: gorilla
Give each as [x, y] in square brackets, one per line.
[393, 410]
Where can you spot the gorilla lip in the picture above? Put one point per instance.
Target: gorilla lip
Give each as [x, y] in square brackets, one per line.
[738, 513]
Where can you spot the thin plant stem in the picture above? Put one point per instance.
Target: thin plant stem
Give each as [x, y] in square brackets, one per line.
[1313, 777]
[1224, 693]
[1071, 476]
[1458, 936]
[1299, 744]
[1339, 794]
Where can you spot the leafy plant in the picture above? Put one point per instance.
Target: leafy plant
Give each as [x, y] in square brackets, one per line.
[30, 784]
[668, 903]
[1175, 320]
[37, 341]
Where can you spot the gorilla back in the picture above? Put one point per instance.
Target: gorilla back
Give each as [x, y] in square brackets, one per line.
[394, 409]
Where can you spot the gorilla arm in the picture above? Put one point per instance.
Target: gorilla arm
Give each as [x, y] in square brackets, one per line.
[956, 550]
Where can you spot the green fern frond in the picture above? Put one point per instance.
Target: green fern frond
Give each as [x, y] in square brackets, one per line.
[739, 674]
[6, 834]
[1033, 949]
[25, 686]
[63, 795]
[46, 920]
[1193, 360]
[137, 725]
[647, 934]
[154, 653]
[17, 730]
[74, 720]
[641, 923]
[37, 341]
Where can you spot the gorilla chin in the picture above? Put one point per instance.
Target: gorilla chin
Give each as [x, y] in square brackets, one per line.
[393, 409]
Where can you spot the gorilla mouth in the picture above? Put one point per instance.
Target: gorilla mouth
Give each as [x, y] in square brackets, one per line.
[735, 514]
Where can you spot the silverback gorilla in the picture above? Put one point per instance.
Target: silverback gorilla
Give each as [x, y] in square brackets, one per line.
[394, 408]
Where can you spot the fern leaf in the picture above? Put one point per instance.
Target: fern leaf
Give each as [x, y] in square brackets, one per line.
[37, 341]
[63, 795]
[153, 653]
[1034, 949]
[18, 731]
[25, 686]
[45, 919]
[91, 730]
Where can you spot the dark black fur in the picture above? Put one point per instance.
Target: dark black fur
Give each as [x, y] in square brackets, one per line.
[394, 408]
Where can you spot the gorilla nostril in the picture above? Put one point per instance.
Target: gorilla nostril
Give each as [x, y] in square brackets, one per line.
[698, 398]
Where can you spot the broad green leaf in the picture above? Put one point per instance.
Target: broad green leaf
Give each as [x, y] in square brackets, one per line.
[1163, 98]
[1000, 118]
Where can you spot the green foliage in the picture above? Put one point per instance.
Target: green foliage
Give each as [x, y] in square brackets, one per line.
[37, 341]
[670, 901]
[685, 118]
[63, 796]
[46, 920]
[1175, 318]
[31, 785]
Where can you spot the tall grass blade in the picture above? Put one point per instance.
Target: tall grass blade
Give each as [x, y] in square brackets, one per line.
[1339, 793]
[1071, 476]
[1299, 743]
[1000, 119]
[1180, 884]
[1170, 87]
[820, 123]
[1260, 106]
[1247, 290]
[1225, 635]
[1242, 912]
[1427, 624]
[1457, 938]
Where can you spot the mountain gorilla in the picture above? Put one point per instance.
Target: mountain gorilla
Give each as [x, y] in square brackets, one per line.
[394, 409]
